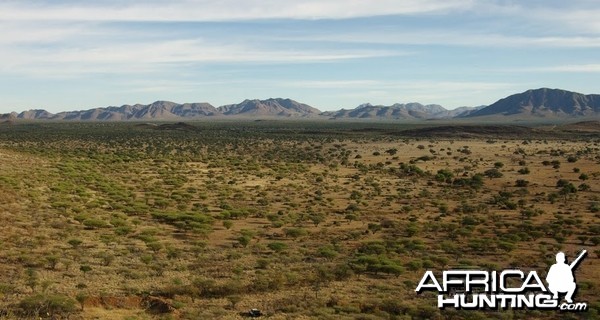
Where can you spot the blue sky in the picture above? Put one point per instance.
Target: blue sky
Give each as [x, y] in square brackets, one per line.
[331, 54]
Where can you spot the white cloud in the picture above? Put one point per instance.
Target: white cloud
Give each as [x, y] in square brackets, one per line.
[404, 85]
[332, 84]
[453, 38]
[224, 10]
[149, 57]
[562, 68]
[576, 68]
[575, 18]
[18, 33]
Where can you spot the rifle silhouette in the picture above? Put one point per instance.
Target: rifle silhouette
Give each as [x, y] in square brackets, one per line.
[576, 261]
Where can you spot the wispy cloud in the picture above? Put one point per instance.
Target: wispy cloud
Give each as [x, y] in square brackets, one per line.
[149, 57]
[224, 10]
[191, 50]
[406, 84]
[465, 38]
[577, 68]
[332, 84]
[579, 19]
[18, 33]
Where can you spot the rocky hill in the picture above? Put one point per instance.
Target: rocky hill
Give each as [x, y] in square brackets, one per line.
[159, 110]
[544, 102]
[409, 111]
[269, 107]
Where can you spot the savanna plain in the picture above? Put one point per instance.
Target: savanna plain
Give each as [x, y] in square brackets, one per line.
[299, 219]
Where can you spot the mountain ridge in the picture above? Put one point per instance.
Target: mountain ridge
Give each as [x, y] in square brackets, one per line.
[411, 110]
[278, 106]
[540, 103]
[544, 102]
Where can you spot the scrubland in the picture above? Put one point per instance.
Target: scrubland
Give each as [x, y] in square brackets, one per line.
[299, 220]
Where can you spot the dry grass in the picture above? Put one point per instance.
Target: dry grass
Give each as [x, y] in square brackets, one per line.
[113, 201]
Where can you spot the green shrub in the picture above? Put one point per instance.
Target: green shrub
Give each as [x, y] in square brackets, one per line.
[277, 246]
[373, 247]
[75, 243]
[244, 240]
[376, 264]
[524, 170]
[328, 252]
[493, 173]
[45, 304]
[295, 232]
[94, 223]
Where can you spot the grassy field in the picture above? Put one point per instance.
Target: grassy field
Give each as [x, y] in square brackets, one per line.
[301, 220]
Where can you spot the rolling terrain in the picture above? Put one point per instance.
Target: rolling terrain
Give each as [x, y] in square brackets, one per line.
[300, 219]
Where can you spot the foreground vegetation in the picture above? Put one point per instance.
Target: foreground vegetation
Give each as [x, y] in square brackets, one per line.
[313, 220]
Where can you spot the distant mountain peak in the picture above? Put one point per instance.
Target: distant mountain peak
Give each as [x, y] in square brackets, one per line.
[544, 102]
[364, 105]
[269, 107]
[412, 110]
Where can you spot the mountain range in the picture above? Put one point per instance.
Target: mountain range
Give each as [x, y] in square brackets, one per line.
[400, 111]
[544, 102]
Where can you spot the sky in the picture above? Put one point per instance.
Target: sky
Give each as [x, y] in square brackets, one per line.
[63, 55]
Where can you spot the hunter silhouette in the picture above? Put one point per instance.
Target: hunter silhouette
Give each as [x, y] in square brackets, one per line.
[560, 276]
